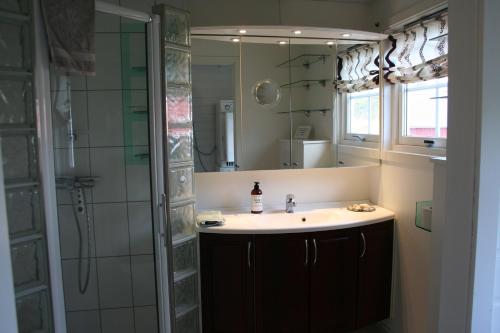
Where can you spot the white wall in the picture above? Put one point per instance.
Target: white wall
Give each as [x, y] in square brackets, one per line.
[389, 12]
[397, 185]
[348, 15]
[230, 190]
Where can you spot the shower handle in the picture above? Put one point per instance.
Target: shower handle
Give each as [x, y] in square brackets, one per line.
[165, 217]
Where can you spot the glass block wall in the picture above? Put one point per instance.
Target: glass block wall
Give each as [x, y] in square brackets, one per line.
[18, 136]
[179, 168]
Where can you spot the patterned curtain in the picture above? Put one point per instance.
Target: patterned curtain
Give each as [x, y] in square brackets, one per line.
[358, 68]
[420, 52]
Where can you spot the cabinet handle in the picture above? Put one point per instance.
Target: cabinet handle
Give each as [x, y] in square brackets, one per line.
[364, 245]
[315, 251]
[248, 254]
[307, 253]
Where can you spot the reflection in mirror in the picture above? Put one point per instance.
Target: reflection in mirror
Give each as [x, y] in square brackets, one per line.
[216, 101]
[312, 68]
[262, 103]
[267, 92]
[359, 105]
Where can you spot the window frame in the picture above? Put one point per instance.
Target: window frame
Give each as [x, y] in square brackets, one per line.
[353, 139]
[405, 143]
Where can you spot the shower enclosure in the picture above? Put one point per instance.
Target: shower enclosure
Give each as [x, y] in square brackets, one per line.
[122, 265]
[99, 176]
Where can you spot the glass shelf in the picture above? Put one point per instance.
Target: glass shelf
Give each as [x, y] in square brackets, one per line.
[306, 83]
[305, 60]
[307, 112]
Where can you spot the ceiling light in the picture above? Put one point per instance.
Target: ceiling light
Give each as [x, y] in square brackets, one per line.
[282, 42]
[297, 32]
[346, 35]
[243, 31]
[236, 40]
[329, 43]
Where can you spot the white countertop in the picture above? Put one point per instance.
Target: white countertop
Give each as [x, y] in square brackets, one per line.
[318, 217]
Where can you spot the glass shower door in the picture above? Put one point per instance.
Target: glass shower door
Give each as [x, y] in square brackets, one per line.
[18, 134]
[102, 158]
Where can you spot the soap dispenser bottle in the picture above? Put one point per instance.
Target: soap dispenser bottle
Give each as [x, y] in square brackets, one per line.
[257, 204]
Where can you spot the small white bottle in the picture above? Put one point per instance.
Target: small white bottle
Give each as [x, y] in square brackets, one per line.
[257, 204]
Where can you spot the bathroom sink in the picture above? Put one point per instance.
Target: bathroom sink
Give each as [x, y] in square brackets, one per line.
[288, 219]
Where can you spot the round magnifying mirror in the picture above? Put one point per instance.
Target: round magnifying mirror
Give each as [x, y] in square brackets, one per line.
[266, 92]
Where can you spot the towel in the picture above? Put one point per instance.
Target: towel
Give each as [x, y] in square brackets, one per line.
[69, 25]
[210, 218]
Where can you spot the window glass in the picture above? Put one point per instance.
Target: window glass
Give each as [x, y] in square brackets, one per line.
[363, 112]
[425, 109]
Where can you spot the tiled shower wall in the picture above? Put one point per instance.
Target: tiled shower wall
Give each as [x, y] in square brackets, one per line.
[110, 123]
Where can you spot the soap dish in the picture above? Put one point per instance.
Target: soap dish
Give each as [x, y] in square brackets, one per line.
[364, 208]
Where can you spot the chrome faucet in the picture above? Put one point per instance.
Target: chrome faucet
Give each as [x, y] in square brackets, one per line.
[290, 203]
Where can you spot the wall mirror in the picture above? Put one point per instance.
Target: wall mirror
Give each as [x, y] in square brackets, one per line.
[264, 100]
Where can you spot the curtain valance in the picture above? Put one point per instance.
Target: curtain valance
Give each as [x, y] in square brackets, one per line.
[358, 68]
[420, 53]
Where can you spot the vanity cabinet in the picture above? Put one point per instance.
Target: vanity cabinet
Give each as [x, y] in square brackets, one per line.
[281, 282]
[318, 282]
[227, 268]
[375, 272]
[333, 285]
[306, 154]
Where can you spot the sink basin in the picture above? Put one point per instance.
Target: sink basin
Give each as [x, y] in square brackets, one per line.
[289, 219]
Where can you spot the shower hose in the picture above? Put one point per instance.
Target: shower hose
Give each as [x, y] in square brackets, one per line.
[82, 285]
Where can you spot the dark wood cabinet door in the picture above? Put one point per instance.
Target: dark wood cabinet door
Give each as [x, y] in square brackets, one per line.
[281, 283]
[375, 273]
[333, 285]
[227, 283]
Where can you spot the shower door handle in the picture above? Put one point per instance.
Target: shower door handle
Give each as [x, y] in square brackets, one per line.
[163, 205]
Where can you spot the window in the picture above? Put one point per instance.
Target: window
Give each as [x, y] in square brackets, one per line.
[362, 115]
[424, 113]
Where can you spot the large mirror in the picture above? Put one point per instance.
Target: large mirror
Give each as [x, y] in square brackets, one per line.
[263, 103]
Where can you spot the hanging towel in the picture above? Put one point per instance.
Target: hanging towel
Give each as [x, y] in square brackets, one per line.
[70, 33]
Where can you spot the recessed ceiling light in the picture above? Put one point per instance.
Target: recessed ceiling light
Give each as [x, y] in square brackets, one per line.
[282, 42]
[346, 35]
[236, 40]
[297, 32]
[329, 43]
[243, 31]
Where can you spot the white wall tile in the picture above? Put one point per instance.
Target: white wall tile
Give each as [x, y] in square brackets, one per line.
[83, 322]
[146, 319]
[68, 232]
[108, 165]
[140, 228]
[75, 301]
[82, 168]
[117, 321]
[107, 22]
[111, 229]
[105, 118]
[136, 121]
[62, 162]
[68, 106]
[108, 63]
[143, 5]
[59, 81]
[182, 4]
[115, 285]
[143, 280]
[138, 177]
[134, 61]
